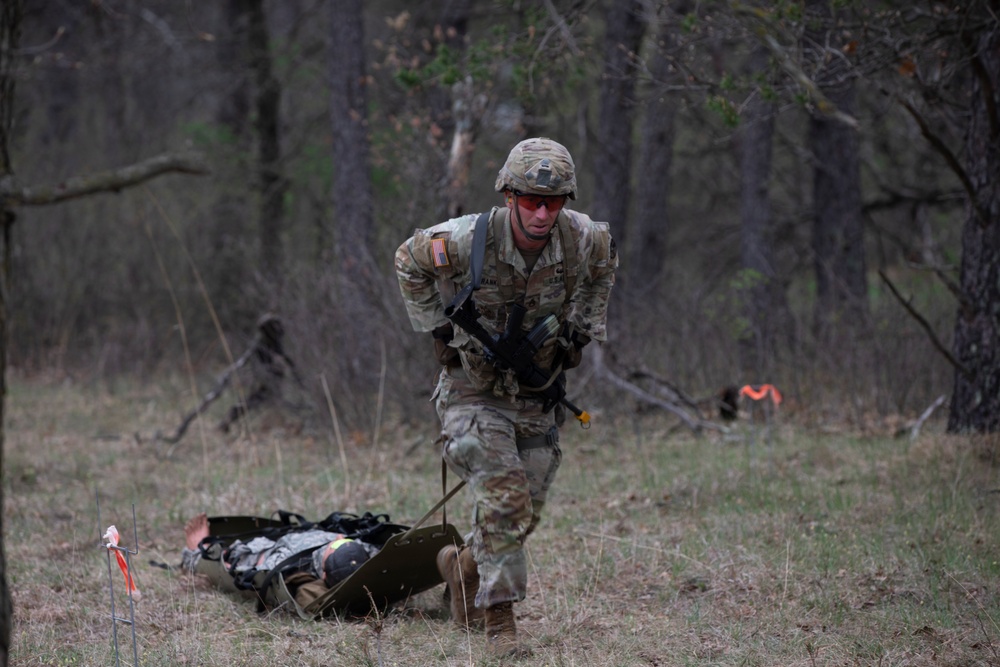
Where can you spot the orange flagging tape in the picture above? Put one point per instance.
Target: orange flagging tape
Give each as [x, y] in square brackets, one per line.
[760, 392]
[112, 537]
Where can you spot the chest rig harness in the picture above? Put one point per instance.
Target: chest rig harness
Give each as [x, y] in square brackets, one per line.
[505, 272]
[513, 303]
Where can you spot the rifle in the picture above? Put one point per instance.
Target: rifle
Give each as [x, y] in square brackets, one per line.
[515, 350]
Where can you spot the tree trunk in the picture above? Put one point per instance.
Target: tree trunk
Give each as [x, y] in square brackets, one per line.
[114, 94]
[352, 187]
[11, 15]
[229, 270]
[271, 181]
[838, 233]
[466, 113]
[13, 194]
[446, 24]
[624, 29]
[656, 152]
[468, 108]
[975, 401]
[758, 283]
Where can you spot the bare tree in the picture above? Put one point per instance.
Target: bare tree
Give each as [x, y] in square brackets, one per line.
[232, 115]
[838, 233]
[271, 181]
[467, 107]
[11, 15]
[623, 36]
[759, 283]
[656, 152]
[456, 103]
[975, 402]
[352, 187]
[13, 194]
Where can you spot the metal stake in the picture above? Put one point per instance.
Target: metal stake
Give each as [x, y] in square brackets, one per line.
[115, 619]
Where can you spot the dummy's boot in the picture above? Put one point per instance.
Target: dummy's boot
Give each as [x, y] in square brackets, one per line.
[459, 571]
[501, 633]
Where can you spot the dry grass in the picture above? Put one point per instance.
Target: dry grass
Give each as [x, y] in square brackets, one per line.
[660, 549]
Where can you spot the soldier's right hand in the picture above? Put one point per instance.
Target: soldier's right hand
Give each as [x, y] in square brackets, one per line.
[444, 353]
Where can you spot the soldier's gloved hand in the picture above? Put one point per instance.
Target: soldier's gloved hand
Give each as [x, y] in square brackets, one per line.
[574, 354]
[444, 353]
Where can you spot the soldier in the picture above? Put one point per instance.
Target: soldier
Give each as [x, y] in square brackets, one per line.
[496, 435]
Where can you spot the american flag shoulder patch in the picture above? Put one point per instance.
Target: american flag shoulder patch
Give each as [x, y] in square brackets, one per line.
[439, 248]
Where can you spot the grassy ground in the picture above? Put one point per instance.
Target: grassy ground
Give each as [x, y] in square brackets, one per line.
[659, 548]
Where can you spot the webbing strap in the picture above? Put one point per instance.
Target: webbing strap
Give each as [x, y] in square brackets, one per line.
[475, 261]
[548, 439]
[505, 272]
[570, 260]
[478, 250]
[444, 492]
[439, 504]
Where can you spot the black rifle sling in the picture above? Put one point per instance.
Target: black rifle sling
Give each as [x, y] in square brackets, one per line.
[478, 250]
[475, 261]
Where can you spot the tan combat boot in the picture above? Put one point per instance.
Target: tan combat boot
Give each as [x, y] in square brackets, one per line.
[458, 569]
[501, 633]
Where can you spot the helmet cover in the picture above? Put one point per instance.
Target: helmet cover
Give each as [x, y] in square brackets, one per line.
[539, 166]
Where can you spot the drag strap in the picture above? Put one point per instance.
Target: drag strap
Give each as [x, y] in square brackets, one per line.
[548, 439]
[441, 503]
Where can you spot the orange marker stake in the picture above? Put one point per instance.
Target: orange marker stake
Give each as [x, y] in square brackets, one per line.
[112, 537]
[760, 392]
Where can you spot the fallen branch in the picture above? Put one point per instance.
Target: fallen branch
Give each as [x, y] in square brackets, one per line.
[272, 363]
[665, 387]
[220, 385]
[915, 428]
[694, 423]
[114, 180]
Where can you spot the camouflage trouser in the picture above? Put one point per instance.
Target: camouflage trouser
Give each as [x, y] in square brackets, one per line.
[479, 434]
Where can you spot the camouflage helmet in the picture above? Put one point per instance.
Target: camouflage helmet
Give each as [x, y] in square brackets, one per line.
[538, 166]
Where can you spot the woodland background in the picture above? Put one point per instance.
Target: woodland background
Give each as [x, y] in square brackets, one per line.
[761, 167]
[803, 193]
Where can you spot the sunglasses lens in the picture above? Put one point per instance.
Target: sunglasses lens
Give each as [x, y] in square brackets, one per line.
[532, 202]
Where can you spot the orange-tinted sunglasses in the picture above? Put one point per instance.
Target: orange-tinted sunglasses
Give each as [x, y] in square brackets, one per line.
[532, 202]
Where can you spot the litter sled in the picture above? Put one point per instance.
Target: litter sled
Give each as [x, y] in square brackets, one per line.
[399, 562]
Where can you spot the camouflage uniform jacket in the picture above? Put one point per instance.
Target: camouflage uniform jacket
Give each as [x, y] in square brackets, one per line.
[429, 281]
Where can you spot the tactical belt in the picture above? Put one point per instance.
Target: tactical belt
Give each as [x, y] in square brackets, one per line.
[548, 439]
